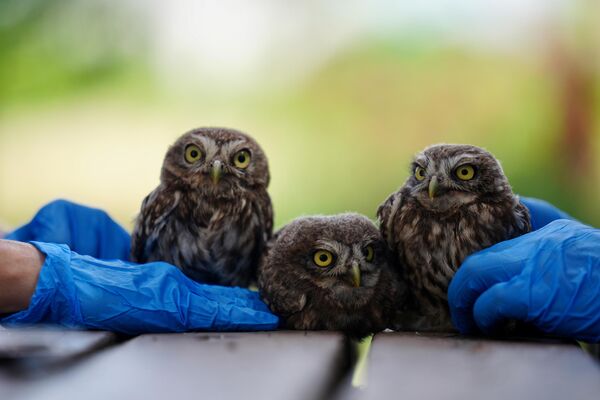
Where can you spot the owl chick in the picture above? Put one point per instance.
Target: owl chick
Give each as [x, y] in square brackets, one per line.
[456, 201]
[211, 214]
[329, 273]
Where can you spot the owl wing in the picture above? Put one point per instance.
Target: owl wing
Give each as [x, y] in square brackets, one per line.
[386, 212]
[522, 220]
[282, 300]
[156, 207]
[286, 304]
[265, 209]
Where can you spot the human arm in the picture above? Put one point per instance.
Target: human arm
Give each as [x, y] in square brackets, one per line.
[20, 265]
[76, 291]
[98, 291]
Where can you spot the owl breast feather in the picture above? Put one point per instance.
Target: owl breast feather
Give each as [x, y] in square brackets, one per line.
[211, 243]
[431, 248]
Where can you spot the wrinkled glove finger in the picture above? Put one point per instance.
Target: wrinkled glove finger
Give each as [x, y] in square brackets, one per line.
[478, 273]
[228, 316]
[500, 303]
[241, 296]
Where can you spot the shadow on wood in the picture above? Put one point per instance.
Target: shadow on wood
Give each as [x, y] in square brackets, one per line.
[277, 365]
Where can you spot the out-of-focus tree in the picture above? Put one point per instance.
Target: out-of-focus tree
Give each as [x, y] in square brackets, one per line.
[574, 50]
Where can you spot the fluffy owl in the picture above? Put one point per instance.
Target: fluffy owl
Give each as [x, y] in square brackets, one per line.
[456, 201]
[211, 215]
[329, 273]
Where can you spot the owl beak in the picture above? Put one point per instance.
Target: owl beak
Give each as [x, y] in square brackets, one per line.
[433, 187]
[216, 171]
[355, 274]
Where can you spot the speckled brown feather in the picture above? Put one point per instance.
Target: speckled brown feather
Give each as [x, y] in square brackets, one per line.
[215, 233]
[306, 296]
[429, 239]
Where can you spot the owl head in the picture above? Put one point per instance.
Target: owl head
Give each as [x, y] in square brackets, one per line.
[446, 177]
[337, 257]
[218, 161]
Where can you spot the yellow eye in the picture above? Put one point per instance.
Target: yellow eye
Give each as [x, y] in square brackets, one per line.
[369, 253]
[242, 159]
[465, 172]
[192, 154]
[419, 173]
[323, 258]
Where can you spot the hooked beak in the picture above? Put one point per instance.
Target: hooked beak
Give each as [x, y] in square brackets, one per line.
[216, 171]
[355, 274]
[433, 187]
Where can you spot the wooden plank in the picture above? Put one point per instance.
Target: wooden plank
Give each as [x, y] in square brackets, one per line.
[43, 345]
[30, 354]
[405, 365]
[277, 365]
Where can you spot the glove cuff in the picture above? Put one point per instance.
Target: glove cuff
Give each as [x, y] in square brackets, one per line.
[54, 299]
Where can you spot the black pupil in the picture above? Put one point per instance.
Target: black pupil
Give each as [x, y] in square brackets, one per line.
[464, 171]
[241, 158]
[194, 153]
[323, 257]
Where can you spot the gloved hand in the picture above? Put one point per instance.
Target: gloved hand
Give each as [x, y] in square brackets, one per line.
[549, 278]
[80, 291]
[85, 230]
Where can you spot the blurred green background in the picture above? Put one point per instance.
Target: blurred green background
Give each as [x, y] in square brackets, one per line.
[340, 94]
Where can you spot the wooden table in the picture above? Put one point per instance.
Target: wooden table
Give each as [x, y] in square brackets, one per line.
[48, 364]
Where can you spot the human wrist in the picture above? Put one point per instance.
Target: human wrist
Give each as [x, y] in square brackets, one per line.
[20, 265]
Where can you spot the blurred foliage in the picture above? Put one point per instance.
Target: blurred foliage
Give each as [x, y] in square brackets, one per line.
[52, 48]
[83, 116]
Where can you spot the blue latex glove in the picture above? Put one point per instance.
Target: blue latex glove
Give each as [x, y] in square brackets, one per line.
[85, 230]
[549, 278]
[80, 291]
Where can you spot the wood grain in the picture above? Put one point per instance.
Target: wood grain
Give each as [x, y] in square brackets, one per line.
[278, 365]
[406, 365]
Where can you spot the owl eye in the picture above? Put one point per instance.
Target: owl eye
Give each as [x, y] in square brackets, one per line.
[369, 253]
[419, 173]
[192, 154]
[323, 258]
[242, 159]
[465, 172]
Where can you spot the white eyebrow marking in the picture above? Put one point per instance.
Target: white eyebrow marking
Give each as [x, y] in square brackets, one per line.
[332, 246]
[230, 146]
[210, 146]
[421, 160]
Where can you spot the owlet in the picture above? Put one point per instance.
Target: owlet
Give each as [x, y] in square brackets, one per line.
[330, 273]
[211, 214]
[456, 201]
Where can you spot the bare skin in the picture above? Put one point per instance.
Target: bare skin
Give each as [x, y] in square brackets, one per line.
[20, 265]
